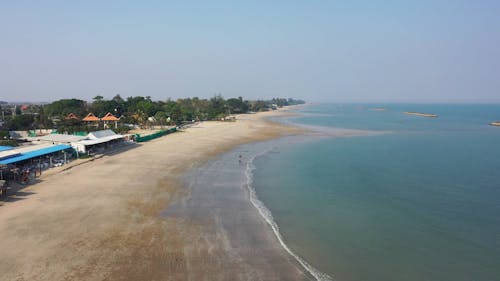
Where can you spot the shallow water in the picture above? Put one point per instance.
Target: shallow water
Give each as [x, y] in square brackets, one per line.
[420, 203]
[232, 241]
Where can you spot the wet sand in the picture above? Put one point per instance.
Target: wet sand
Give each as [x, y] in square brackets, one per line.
[219, 204]
[101, 220]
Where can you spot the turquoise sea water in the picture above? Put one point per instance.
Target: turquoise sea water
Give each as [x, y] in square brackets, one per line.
[420, 202]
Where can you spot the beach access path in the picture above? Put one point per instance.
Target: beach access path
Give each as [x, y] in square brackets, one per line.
[100, 220]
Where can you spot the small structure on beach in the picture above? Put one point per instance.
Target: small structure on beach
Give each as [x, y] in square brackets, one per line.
[110, 118]
[72, 116]
[91, 119]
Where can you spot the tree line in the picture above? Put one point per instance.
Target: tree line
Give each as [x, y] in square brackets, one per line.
[137, 110]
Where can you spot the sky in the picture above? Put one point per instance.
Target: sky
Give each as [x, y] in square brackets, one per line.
[360, 51]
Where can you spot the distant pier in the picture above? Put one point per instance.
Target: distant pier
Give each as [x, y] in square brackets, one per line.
[421, 114]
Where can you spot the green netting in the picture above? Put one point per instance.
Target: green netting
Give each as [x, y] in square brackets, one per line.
[138, 137]
[80, 134]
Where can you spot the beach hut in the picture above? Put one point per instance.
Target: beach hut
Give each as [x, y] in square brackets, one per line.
[91, 118]
[110, 118]
[72, 116]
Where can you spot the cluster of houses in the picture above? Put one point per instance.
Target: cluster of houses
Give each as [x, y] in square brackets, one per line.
[91, 119]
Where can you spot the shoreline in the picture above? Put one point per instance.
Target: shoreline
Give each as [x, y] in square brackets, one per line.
[266, 214]
[96, 221]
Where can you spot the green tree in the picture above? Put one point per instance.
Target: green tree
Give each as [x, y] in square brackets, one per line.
[161, 117]
[172, 109]
[120, 108]
[63, 107]
[21, 122]
[237, 105]
[217, 107]
[258, 105]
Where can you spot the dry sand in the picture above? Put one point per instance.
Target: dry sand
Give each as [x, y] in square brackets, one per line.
[100, 220]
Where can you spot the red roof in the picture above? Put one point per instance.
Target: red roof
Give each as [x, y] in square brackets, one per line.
[109, 117]
[90, 117]
[72, 116]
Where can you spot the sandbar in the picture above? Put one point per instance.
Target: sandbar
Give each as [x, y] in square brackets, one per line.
[421, 114]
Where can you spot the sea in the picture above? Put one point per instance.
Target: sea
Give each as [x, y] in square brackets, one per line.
[373, 194]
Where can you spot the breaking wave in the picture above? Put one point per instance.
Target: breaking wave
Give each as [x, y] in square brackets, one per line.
[268, 217]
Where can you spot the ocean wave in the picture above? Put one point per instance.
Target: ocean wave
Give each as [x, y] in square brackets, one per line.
[268, 217]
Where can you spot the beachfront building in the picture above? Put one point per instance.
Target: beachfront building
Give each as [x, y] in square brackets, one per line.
[19, 162]
[5, 148]
[59, 139]
[91, 119]
[24, 153]
[94, 141]
[97, 141]
[72, 116]
[110, 118]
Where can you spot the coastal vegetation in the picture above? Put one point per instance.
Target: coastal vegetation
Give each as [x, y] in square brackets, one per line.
[136, 111]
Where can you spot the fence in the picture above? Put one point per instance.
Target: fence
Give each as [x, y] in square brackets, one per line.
[138, 137]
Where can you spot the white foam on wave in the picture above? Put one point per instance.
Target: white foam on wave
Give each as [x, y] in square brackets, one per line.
[268, 217]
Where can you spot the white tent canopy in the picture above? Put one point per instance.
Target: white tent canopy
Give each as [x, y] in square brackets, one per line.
[95, 139]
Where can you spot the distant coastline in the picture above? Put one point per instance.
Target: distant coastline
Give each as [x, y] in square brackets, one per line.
[421, 114]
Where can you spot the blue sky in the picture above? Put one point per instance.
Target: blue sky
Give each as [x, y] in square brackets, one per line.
[401, 51]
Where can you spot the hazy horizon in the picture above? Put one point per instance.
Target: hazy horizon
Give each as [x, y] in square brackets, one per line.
[361, 51]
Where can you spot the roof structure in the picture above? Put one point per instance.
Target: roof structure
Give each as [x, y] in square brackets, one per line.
[97, 137]
[100, 140]
[61, 138]
[91, 118]
[4, 148]
[72, 116]
[109, 117]
[21, 149]
[101, 134]
[35, 153]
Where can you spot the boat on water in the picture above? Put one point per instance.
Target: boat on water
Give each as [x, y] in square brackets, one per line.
[496, 123]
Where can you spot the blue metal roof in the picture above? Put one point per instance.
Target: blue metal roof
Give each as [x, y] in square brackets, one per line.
[4, 148]
[35, 153]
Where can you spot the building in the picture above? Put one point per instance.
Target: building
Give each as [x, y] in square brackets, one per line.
[97, 141]
[91, 119]
[26, 154]
[59, 139]
[110, 118]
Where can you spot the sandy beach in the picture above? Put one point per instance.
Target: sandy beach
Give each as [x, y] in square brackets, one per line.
[101, 220]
